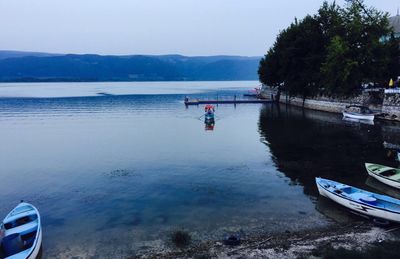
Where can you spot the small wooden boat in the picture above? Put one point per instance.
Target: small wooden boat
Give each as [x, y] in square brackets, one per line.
[360, 201]
[358, 112]
[385, 174]
[22, 233]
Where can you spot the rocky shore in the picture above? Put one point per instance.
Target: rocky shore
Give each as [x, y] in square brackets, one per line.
[356, 236]
[385, 102]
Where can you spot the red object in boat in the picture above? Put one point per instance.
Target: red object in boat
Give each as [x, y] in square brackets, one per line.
[209, 108]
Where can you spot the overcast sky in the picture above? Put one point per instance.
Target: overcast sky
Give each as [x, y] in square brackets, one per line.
[187, 27]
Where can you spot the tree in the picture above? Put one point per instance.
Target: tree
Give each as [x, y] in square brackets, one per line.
[339, 69]
[333, 52]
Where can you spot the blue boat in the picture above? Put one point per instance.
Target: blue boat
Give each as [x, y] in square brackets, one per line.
[361, 201]
[22, 233]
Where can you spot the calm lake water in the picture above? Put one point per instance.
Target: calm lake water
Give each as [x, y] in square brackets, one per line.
[115, 167]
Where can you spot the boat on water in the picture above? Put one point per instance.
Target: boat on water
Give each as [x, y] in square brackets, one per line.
[361, 201]
[358, 112]
[22, 233]
[385, 174]
[209, 117]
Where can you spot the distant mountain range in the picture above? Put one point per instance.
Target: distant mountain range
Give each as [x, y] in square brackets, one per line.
[16, 66]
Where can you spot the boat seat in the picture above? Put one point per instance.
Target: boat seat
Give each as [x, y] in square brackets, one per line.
[20, 221]
[364, 198]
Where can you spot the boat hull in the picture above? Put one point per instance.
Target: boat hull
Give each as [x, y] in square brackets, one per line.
[382, 179]
[369, 117]
[36, 250]
[391, 183]
[33, 251]
[358, 206]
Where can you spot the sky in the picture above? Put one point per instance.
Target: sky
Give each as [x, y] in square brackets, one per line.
[120, 27]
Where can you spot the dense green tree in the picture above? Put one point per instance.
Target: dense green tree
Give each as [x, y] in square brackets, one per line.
[334, 52]
[339, 69]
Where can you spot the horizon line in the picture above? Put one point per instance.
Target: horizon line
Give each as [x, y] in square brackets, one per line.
[98, 54]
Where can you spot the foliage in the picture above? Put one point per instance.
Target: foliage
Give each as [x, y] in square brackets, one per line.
[333, 52]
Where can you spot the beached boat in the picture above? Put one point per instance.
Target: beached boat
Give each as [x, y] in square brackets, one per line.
[360, 201]
[22, 233]
[385, 174]
[358, 112]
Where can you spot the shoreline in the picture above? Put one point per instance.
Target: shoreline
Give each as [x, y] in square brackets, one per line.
[385, 103]
[355, 236]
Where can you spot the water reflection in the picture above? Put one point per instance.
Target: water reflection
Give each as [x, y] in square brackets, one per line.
[306, 144]
[351, 120]
[334, 211]
[382, 188]
[131, 168]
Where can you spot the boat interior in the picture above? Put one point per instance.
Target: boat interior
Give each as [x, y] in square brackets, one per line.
[393, 174]
[21, 235]
[375, 200]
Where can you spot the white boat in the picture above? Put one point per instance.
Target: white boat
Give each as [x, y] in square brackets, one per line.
[360, 201]
[358, 112]
[385, 174]
[358, 116]
[22, 233]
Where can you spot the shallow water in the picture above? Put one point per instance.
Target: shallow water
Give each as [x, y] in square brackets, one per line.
[114, 174]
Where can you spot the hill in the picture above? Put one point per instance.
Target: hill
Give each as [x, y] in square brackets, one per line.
[33, 67]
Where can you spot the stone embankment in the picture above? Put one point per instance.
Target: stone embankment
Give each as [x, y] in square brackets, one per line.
[384, 102]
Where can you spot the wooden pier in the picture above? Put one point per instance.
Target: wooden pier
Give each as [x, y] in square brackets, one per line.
[233, 101]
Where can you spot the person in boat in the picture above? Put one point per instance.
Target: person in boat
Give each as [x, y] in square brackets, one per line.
[209, 109]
